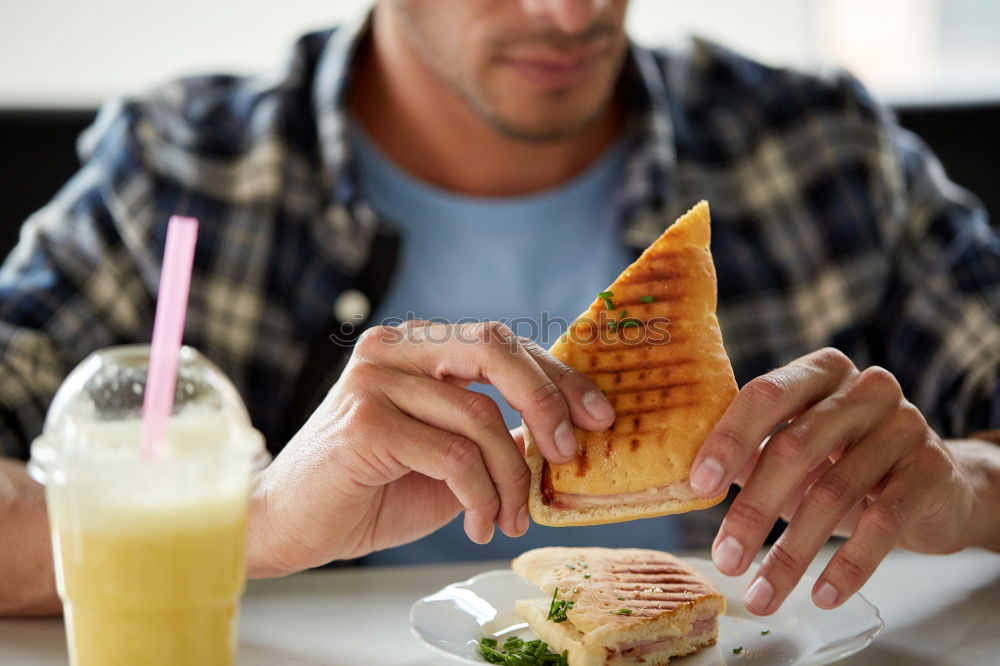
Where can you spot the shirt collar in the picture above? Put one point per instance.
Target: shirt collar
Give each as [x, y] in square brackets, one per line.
[330, 87]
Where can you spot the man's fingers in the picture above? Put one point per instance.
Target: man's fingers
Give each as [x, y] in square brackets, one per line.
[488, 352]
[791, 504]
[760, 406]
[529, 390]
[791, 455]
[413, 324]
[477, 418]
[878, 529]
[589, 407]
[454, 459]
[823, 506]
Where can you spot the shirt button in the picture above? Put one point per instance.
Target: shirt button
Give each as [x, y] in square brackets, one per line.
[352, 307]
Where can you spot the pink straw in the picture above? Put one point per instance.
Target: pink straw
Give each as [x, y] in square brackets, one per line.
[168, 328]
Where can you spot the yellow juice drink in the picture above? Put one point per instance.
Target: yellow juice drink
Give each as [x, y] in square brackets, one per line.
[151, 585]
[149, 553]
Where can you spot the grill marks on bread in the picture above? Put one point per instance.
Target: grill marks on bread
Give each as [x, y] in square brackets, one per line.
[652, 584]
[667, 377]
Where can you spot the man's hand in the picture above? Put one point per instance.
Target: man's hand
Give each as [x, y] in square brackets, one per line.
[27, 578]
[399, 446]
[849, 456]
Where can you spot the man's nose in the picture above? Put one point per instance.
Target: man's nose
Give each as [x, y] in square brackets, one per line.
[570, 16]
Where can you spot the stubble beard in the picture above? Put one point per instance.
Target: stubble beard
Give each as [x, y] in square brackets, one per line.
[478, 100]
[553, 132]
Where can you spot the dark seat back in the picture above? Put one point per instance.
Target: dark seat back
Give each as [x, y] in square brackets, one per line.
[37, 155]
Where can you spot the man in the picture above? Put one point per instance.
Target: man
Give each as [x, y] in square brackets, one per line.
[371, 165]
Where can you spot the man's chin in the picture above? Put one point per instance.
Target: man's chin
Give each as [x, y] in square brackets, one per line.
[539, 133]
[547, 118]
[547, 129]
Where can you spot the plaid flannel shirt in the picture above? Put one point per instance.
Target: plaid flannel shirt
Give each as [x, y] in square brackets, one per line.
[831, 226]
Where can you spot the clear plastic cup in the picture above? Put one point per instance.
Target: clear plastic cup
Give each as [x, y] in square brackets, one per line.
[149, 554]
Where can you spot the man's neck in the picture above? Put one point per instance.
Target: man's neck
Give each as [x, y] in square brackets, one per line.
[431, 132]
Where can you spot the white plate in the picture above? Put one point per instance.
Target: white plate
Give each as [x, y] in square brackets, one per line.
[452, 621]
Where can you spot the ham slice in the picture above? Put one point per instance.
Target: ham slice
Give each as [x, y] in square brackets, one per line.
[672, 491]
[703, 625]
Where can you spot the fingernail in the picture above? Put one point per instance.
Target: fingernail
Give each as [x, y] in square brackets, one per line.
[489, 536]
[826, 595]
[728, 555]
[598, 406]
[758, 596]
[522, 519]
[565, 439]
[706, 477]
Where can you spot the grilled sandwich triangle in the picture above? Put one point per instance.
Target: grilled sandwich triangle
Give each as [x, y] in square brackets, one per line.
[621, 606]
[652, 343]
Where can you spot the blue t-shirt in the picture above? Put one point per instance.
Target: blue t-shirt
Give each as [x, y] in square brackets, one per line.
[534, 262]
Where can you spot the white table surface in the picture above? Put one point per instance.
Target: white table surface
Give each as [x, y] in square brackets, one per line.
[938, 610]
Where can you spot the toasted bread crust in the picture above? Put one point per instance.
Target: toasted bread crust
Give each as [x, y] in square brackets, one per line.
[669, 386]
[543, 514]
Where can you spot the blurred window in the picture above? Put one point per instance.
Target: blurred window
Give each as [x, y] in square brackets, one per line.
[74, 54]
[910, 52]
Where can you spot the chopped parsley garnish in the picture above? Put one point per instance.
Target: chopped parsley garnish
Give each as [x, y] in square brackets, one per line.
[622, 314]
[612, 325]
[621, 598]
[586, 575]
[570, 566]
[558, 608]
[738, 650]
[576, 590]
[765, 632]
[516, 652]
[622, 611]
[646, 299]
[631, 323]
[606, 294]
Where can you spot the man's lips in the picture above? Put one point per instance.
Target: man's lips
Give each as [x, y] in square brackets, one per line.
[553, 71]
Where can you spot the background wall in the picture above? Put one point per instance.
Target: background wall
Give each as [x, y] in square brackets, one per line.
[74, 53]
